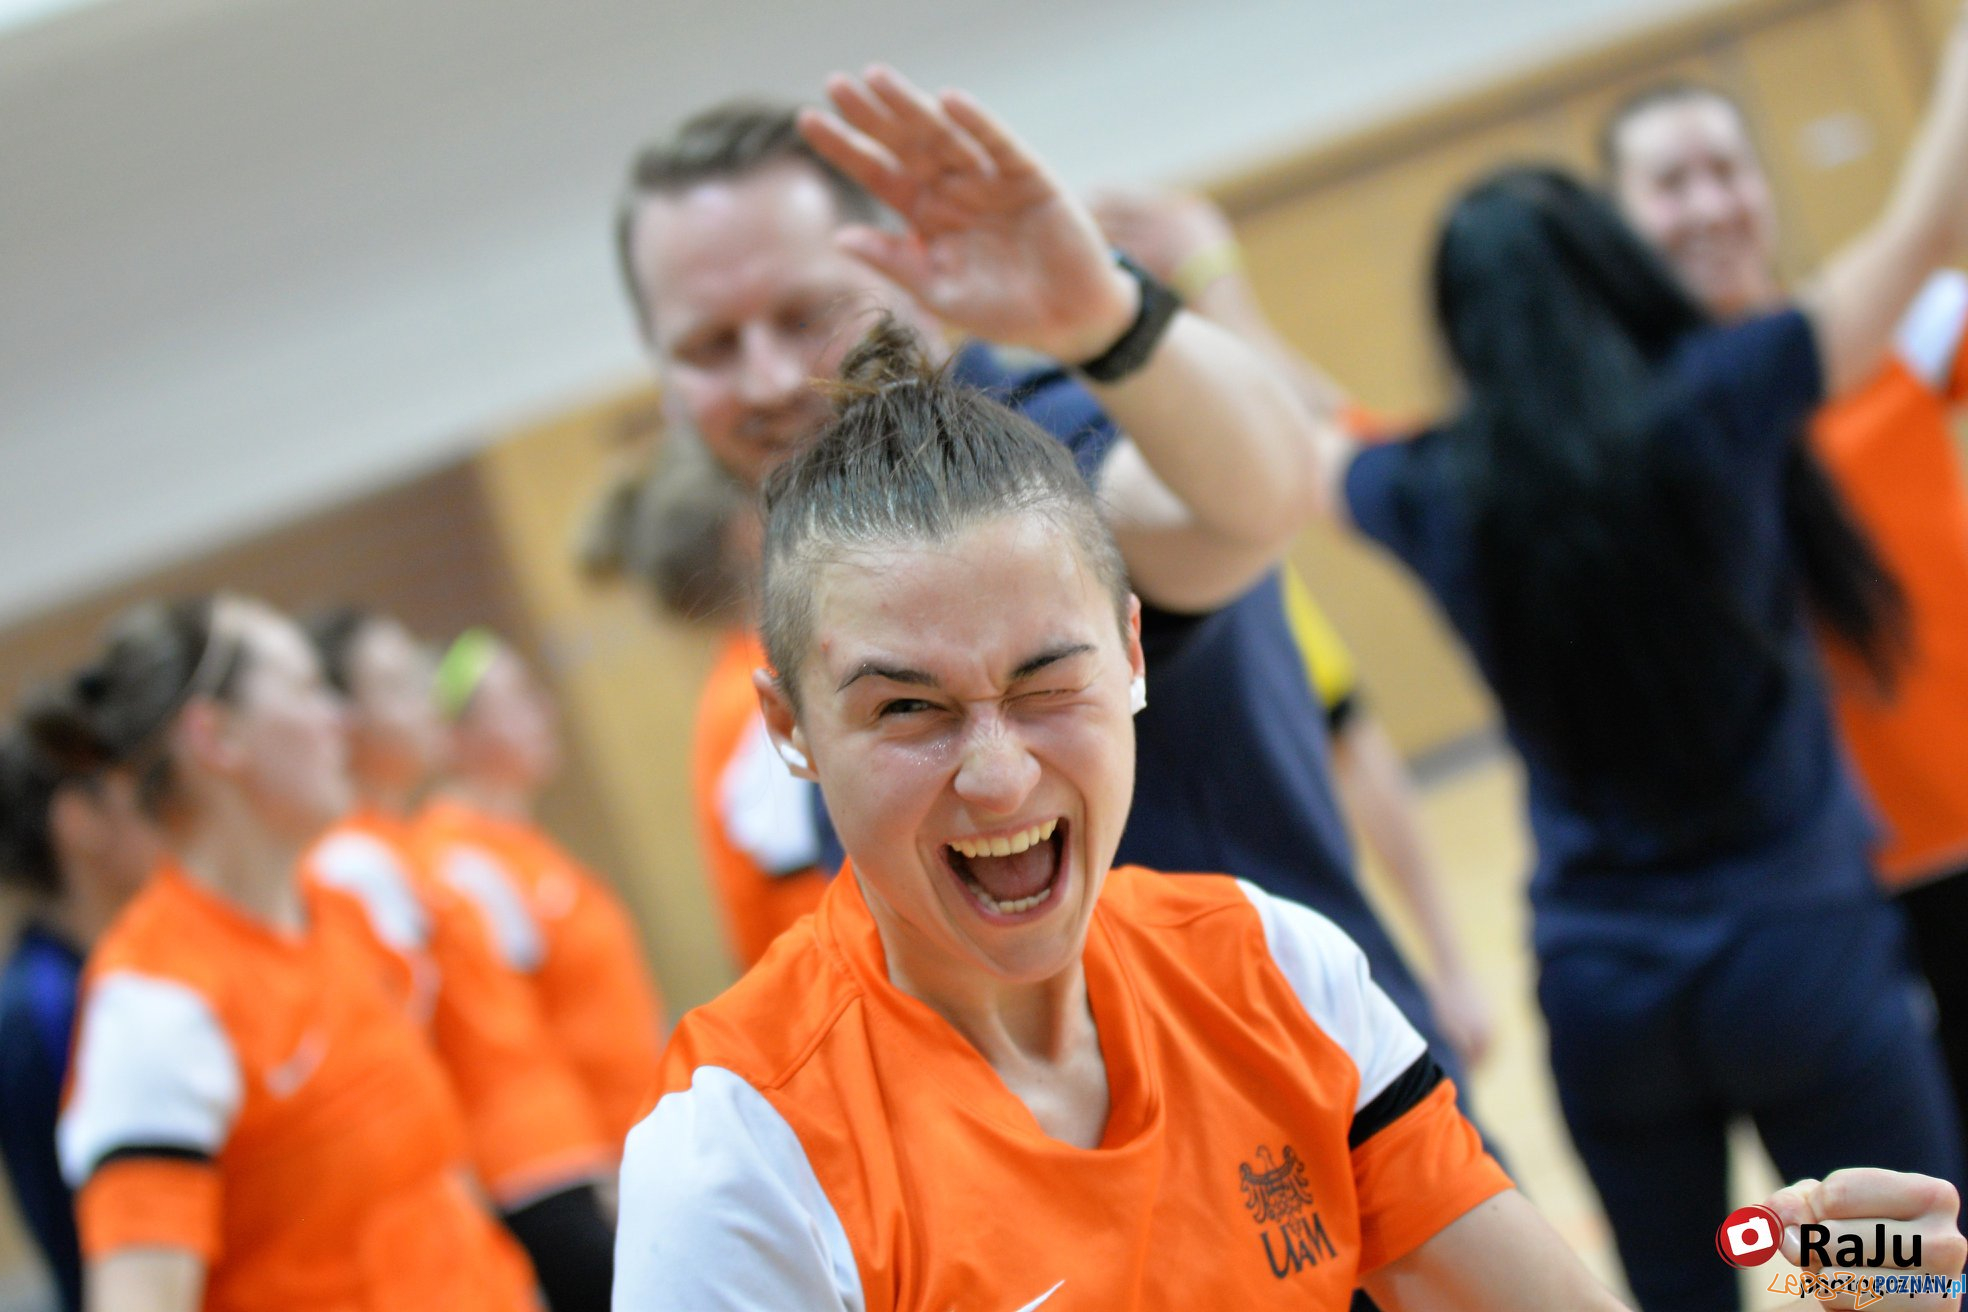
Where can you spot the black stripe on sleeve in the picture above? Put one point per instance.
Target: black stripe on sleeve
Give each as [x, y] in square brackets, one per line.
[170, 1152]
[1408, 1088]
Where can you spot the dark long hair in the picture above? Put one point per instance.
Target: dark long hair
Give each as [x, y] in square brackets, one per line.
[28, 784]
[1614, 636]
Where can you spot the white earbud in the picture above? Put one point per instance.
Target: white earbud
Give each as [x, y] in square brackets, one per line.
[1138, 694]
[792, 755]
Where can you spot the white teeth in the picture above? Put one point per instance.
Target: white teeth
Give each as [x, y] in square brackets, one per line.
[1010, 846]
[1012, 907]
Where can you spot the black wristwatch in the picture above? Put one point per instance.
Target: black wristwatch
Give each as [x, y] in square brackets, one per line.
[1151, 320]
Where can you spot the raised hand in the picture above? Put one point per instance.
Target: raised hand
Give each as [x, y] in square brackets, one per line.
[992, 244]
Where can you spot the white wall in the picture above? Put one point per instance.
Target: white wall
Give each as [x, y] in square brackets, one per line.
[259, 254]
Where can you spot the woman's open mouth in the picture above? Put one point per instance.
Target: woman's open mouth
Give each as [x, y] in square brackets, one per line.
[1011, 876]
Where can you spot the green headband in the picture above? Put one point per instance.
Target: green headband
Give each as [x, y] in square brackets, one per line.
[463, 668]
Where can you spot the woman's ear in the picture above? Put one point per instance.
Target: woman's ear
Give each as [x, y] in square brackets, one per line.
[783, 726]
[75, 824]
[201, 734]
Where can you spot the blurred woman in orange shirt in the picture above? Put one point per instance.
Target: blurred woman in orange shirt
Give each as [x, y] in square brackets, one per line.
[553, 922]
[533, 1135]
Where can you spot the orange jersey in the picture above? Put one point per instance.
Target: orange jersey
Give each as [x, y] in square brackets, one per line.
[527, 1117]
[558, 926]
[755, 821]
[260, 1099]
[1890, 447]
[1276, 1130]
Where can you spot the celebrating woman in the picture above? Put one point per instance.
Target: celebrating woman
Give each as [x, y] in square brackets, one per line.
[992, 1070]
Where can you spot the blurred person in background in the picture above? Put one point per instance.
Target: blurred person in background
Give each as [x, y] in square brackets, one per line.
[755, 256]
[75, 848]
[253, 1121]
[1189, 243]
[1680, 162]
[553, 922]
[534, 1138]
[1623, 522]
[692, 540]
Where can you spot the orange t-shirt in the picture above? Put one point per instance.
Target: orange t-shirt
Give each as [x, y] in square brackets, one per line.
[531, 1129]
[755, 821]
[558, 926]
[1276, 1129]
[260, 1099]
[1891, 449]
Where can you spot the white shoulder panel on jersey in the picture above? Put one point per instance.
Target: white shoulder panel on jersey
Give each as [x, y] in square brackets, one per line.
[1929, 335]
[721, 1211]
[153, 1069]
[1329, 973]
[368, 869]
[767, 812]
[488, 885]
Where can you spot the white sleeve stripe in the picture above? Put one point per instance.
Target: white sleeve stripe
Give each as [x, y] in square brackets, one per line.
[485, 882]
[364, 867]
[768, 814]
[153, 1069]
[1929, 336]
[1328, 972]
[722, 1211]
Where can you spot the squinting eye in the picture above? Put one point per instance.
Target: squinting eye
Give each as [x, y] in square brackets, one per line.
[903, 706]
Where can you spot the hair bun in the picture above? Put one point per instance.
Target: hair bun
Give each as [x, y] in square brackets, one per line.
[891, 355]
[59, 721]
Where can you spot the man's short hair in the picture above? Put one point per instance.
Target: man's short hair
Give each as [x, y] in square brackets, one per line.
[1649, 97]
[730, 140]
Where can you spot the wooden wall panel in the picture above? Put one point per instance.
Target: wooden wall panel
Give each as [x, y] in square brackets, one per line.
[627, 681]
[1833, 98]
[1933, 19]
[423, 550]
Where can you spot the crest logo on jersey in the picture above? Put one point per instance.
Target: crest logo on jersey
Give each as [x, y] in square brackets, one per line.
[1280, 1199]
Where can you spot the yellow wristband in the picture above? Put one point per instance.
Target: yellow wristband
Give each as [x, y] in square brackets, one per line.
[1194, 275]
